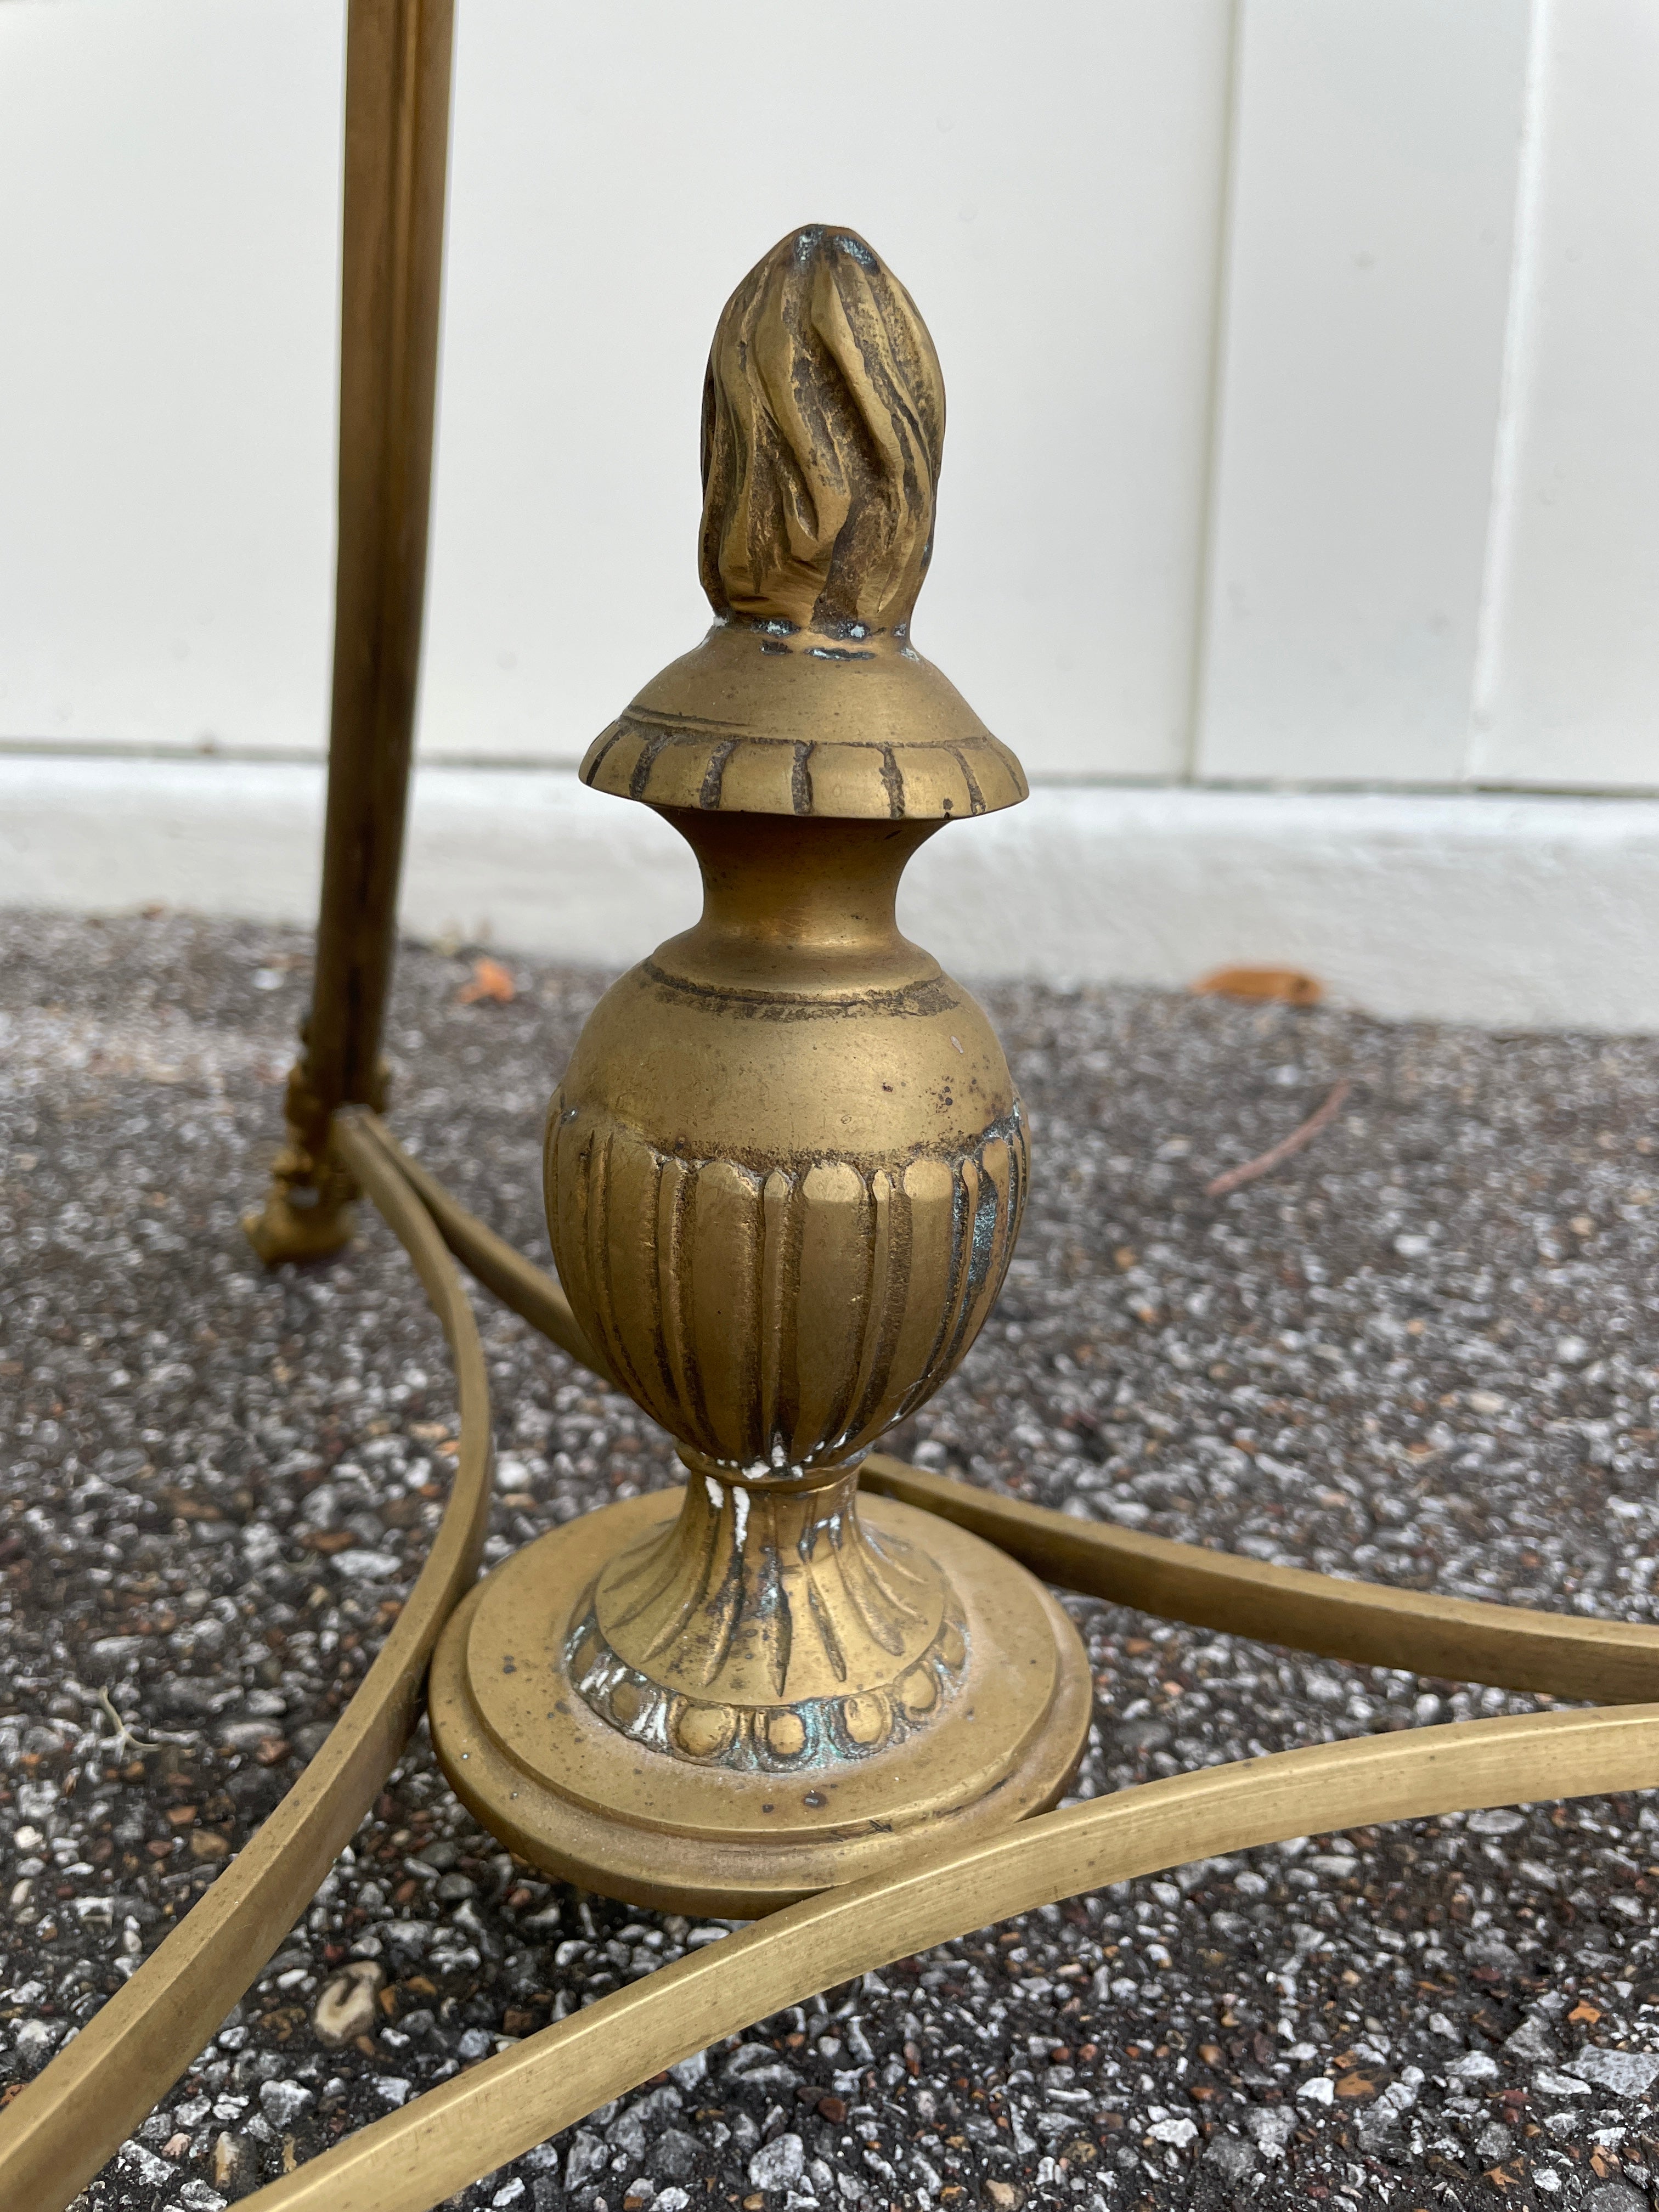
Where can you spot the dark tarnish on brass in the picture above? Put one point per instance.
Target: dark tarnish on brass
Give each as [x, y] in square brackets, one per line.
[734, 1636]
[785, 1169]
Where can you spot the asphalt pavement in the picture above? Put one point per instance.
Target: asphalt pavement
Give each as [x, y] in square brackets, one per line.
[1423, 1349]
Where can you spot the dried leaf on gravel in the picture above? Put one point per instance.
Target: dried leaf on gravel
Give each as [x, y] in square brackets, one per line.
[490, 980]
[1286, 986]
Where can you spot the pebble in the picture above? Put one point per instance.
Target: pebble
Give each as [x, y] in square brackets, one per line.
[236, 2164]
[346, 2005]
[1400, 1355]
[282, 2102]
[778, 2163]
[1616, 2196]
[1626, 2073]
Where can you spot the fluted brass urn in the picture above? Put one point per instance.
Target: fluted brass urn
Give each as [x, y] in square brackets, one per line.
[785, 1170]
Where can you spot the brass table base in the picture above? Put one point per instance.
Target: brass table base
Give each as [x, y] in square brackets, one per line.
[949, 1880]
[577, 1795]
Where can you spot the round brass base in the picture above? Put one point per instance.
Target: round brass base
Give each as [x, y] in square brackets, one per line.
[578, 1797]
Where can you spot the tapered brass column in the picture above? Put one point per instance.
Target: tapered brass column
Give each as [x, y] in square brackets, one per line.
[784, 1171]
[397, 137]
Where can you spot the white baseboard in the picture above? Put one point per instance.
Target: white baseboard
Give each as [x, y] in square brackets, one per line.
[1505, 911]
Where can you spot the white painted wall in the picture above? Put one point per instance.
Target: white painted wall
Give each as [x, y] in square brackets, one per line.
[1570, 682]
[169, 175]
[1052, 200]
[1377, 146]
[1302, 357]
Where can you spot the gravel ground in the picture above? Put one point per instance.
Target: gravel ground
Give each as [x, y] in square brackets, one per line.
[1424, 1350]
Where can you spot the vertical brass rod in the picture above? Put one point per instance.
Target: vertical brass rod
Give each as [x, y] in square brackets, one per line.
[397, 136]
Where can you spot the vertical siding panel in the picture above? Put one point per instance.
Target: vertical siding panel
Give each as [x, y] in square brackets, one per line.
[1377, 161]
[1569, 690]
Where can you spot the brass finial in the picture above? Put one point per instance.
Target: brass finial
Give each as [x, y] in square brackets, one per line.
[785, 1168]
[823, 423]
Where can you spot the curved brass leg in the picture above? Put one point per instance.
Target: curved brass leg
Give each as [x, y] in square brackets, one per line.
[528, 1291]
[68, 2121]
[63, 2126]
[418, 2155]
[1563, 1654]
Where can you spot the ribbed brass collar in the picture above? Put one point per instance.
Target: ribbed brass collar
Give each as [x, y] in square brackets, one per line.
[760, 719]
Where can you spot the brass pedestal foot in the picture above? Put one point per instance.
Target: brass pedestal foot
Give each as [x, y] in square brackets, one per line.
[672, 1704]
[287, 1229]
[309, 1209]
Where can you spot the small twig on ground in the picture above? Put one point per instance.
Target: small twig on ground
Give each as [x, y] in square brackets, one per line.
[1219, 1187]
[123, 1739]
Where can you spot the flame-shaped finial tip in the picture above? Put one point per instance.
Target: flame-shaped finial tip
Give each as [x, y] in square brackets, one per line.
[823, 421]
